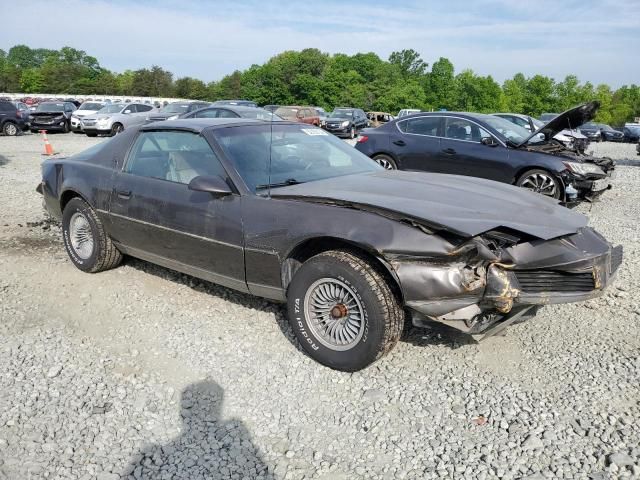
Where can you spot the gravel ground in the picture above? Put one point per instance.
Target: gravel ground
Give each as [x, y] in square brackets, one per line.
[140, 372]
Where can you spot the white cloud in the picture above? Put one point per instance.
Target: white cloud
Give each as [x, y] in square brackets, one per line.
[210, 39]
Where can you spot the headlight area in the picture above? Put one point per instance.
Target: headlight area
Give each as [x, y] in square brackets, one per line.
[468, 290]
[584, 169]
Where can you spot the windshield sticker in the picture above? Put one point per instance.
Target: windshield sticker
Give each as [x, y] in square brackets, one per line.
[314, 131]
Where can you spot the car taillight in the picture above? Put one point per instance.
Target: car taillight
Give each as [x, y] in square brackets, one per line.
[362, 139]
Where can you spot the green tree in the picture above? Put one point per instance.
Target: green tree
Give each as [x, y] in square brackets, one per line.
[409, 63]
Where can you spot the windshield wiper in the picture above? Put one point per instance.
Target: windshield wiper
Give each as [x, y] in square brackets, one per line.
[287, 182]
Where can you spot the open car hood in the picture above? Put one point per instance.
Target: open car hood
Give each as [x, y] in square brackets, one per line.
[466, 206]
[570, 119]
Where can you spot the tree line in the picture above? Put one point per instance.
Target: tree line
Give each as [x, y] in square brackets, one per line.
[311, 77]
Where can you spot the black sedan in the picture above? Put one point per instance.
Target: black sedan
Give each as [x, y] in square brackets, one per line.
[346, 122]
[232, 111]
[631, 133]
[601, 132]
[288, 212]
[52, 117]
[491, 147]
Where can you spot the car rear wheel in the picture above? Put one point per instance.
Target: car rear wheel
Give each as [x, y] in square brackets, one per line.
[386, 161]
[343, 311]
[116, 129]
[540, 181]
[87, 244]
[10, 129]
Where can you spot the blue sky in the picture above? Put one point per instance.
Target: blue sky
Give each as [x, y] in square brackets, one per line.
[597, 41]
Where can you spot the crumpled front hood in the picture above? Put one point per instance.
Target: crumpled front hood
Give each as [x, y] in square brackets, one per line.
[463, 205]
[570, 119]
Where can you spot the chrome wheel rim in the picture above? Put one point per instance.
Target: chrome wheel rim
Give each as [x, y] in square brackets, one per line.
[11, 129]
[540, 183]
[383, 162]
[334, 314]
[80, 235]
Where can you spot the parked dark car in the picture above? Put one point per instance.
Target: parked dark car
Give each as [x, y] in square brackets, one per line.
[232, 111]
[346, 122]
[52, 116]
[237, 103]
[290, 213]
[610, 134]
[631, 133]
[491, 147]
[14, 117]
[592, 131]
[174, 110]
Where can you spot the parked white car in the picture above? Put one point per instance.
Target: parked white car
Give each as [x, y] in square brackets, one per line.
[86, 109]
[113, 118]
[408, 111]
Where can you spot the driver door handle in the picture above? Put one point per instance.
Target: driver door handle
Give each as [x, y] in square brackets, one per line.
[124, 194]
[400, 143]
[449, 151]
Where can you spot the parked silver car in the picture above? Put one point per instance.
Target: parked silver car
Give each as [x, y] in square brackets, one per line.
[85, 110]
[114, 118]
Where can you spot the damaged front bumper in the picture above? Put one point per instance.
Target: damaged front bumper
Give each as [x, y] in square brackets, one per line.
[483, 299]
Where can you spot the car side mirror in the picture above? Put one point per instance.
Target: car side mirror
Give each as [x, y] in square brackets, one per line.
[213, 184]
[489, 141]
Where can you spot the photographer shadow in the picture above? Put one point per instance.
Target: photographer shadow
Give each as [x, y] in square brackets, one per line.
[207, 448]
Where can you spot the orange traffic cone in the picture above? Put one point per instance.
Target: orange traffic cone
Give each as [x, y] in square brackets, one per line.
[48, 149]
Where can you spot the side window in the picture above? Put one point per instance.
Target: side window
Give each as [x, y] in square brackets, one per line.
[130, 109]
[143, 108]
[173, 156]
[461, 129]
[422, 126]
[224, 113]
[208, 113]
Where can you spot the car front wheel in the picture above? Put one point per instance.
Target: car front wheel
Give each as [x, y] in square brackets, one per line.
[540, 181]
[343, 311]
[89, 247]
[10, 129]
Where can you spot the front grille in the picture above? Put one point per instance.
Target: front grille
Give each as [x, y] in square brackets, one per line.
[543, 281]
[89, 123]
[616, 258]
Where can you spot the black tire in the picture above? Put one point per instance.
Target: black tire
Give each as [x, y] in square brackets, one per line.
[10, 129]
[92, 134]
[116, 128]
[385, 161]
[524, 182]
[104, 255]
[66, 128]
[352, 133]
[382, 317]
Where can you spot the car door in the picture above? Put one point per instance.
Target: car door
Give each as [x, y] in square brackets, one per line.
[156, 217]
[415, 143]
[463, 153]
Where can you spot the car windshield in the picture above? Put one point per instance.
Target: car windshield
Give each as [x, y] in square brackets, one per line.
[589, 125]
[112, 108]
[260, 114]
[341, 113]
[537, 123]
[510, 131]
[607, 128]
[90, 106]
[175, 108]
[292, 154]
[50, 107]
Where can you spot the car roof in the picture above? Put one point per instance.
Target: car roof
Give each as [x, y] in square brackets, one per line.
[197, 125]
